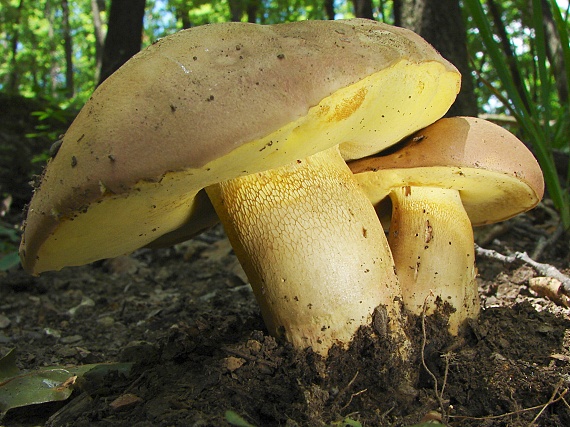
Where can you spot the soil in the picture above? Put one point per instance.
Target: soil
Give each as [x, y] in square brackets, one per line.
[187, 320]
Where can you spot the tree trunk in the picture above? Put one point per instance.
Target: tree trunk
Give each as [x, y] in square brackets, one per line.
[68, 48]
[236, 10]
[182, 12]
[99, 35]
[329, 9]
[54, 67]
[440, 22]
[239, 7]
[251, 9]
[124, 34]
[397, 6]
[363, 9]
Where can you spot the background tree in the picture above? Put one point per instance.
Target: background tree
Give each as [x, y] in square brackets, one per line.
[97, 7]
[329, 9]
[68, 47]
[124, 35]
[440, 22]
[363, 9]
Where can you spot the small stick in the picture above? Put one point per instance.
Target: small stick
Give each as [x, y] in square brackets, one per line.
[543, 269]
[438, 394]
[552, 399]
[520, 411]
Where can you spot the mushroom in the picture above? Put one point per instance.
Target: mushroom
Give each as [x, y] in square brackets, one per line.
[263, 118]
[456, 173]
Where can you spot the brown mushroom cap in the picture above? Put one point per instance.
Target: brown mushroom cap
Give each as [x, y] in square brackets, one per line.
[216, 102]
[496, 175]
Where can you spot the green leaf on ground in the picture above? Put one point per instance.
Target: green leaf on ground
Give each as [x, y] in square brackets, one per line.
[9, 260]
[236, 420]
[50, 384]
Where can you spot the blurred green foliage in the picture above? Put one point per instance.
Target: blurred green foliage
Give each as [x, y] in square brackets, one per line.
[525, 86]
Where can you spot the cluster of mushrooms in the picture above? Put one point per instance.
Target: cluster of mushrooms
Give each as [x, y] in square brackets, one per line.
[309, 141]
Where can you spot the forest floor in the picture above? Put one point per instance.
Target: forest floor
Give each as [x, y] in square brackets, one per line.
[188, 322]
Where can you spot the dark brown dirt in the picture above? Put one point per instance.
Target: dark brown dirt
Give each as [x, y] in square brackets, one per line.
[188, 321]
[190, 324]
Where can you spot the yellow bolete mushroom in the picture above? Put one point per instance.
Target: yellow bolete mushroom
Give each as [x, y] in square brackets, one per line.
[263, 118]
[456, 173]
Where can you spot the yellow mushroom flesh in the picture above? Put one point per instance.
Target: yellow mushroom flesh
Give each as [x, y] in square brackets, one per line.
[432, 244]
[313, 249]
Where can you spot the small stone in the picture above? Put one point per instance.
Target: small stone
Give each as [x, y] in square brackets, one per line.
[85, 302]
[233, 363]
[52, 332]
[138, 351]
[4, 321]
[123, 265]
[106, 321]
[125, 401]
[67, 352]
[254, 346]
[71, 339]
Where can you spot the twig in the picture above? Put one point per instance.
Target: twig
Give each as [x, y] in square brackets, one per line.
[351, 397]
[519, 411]
[552, 398]
[438, 394]
[543, 269]
[345, 389]
[564, 400]
[446, 356]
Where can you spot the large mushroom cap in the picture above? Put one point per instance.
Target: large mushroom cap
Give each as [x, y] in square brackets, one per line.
[216, 102]
[496, 175]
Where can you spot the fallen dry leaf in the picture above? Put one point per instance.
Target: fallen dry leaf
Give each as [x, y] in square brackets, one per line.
[550, 288]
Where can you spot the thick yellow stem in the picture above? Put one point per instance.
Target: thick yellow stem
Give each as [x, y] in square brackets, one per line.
[431, 239]
[313, 249]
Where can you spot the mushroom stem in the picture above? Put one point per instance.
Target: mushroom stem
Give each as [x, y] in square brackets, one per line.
[313, 249]
[432, 244]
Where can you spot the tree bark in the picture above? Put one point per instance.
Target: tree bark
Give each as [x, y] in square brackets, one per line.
[440, 22]
[240, 7]
[251, 10]
[363, 9]
[236, 10]
[54, 68]
[182, 12]
[124, 33]
[96, 7]
[68, 48]
[329, 9]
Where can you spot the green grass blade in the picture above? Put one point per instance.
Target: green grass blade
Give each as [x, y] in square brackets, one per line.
[543, 86]
[529, 120]
[497, 57]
